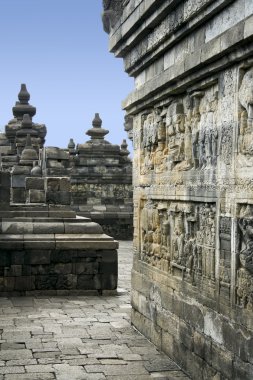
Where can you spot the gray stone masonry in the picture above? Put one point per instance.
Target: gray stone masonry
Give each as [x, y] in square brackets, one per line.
[100, 173]
[101, 182]
[48, 337]
[191, 120]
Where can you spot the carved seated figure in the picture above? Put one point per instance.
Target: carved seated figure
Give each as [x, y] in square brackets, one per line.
[246, 254]
[245, 140]
[160, 158]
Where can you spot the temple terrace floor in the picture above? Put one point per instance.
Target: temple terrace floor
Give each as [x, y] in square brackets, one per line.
[79, 337]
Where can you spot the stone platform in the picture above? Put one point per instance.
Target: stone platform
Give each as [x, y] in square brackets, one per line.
[53, 253]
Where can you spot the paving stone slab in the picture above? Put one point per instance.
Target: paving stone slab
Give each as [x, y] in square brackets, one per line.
[158, 365]
[30, 376]
[15, 354]
[77, 337]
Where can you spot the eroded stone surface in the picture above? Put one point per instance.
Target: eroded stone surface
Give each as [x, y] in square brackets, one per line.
[191, 118]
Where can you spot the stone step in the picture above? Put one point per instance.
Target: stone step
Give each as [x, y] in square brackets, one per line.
[33, 226]
[57, 241]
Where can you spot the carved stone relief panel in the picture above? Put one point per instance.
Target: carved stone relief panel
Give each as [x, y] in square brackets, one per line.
[179, 237]
[181, 136]
[227, 118]
[245, 257]
[245, 134]
[225, 250]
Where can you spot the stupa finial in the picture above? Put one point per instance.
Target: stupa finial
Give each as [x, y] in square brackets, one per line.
[97, 122]
[23, 95]
[22, 106]
[123, 148]
[97, 132]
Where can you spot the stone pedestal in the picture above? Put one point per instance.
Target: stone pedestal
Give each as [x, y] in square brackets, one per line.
[52, 253]
[47, 248]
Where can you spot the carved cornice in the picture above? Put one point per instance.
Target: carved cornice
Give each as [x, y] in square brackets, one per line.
[112, 12]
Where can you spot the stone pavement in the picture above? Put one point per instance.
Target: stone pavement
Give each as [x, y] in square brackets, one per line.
[79, 337]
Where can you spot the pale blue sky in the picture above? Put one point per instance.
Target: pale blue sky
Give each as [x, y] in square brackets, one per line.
[59, 49]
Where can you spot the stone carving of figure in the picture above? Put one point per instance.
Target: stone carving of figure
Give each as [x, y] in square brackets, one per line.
[159, 158]
[212, 138]
[243, 129]
[188, 147]
[202, 159]
[196, 98]
[208, 147]
[175, 246]
[180, 245]
[188, 258]
[175, 132]
[195, 139]
[165, 239]
[161, 131]
[171, 133]
[245, 288]
[246, 254]
[246, 100]
[214, 142]
[148, 161]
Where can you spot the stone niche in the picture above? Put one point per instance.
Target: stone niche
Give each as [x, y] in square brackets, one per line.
[191, 121]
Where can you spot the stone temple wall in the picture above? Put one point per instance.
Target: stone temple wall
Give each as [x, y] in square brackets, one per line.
[191, 119]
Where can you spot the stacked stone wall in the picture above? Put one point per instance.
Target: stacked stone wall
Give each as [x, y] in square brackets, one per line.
[192, 128]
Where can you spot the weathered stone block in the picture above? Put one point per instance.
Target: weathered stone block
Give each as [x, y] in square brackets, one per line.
[248, 28]
[186, 335]
[63, 256]
[194, 316]
[46, 282]
[63, 268]
[222, 361]
[36, 257]
[53, 184]
[16, 270]
[5, 258]
[242, 370]
[58, 197]
[65, 184]
[16, 257]
[9, 284]
[37, 196]
[18, 180]
[202, 346]
[89, 282]
[66, 281]
[24, 283]
[18, 195]
[86, 267]
[36, 183]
